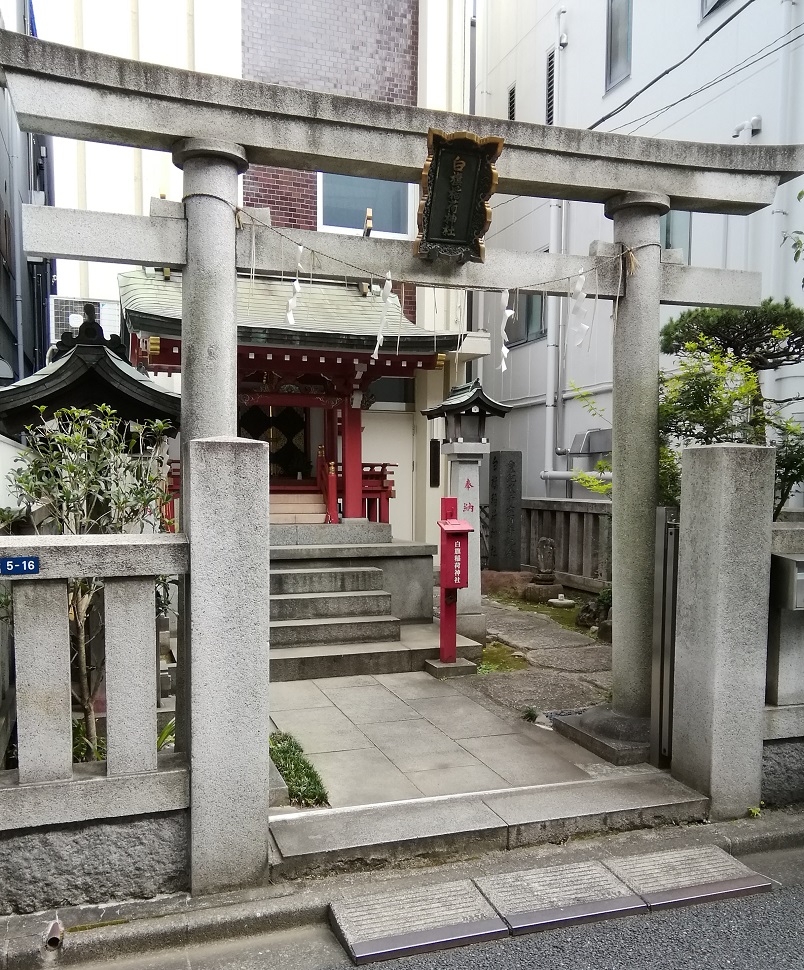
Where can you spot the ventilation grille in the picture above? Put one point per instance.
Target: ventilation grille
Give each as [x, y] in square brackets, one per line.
[550, 89]
[512, 103]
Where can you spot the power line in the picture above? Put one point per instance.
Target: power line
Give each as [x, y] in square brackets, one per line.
[670, 69]
[660, 111]
[719, 77]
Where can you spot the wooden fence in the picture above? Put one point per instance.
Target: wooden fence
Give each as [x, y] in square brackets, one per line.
[581, 530]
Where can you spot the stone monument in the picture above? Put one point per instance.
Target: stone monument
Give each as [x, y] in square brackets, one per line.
[505, 511]
[543, 586]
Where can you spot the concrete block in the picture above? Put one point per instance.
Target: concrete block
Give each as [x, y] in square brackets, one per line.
[460, 668]
[722, 623]
[230, 592]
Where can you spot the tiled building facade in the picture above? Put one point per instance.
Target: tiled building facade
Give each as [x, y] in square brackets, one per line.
[359, 48]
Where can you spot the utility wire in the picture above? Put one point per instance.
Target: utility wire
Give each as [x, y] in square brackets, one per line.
[660, 111]
[719, 77]
[670, 69]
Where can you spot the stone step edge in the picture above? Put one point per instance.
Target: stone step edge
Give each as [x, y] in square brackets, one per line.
[333, 620]
[336, 594]
[499, 836]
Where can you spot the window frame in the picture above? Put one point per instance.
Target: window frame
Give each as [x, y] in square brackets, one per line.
[321, 226]
[541, 334]
[713, 5]
[666, 229]
[610, 81]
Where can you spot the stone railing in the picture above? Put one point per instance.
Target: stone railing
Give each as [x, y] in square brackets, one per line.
[581, 530]
[135, 779]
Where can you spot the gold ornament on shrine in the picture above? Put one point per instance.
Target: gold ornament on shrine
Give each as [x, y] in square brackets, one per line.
[458, 179]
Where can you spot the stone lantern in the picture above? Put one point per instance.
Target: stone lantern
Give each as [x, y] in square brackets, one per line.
[465, 411]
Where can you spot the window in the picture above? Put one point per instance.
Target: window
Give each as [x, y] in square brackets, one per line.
[618, 42]
[550, 88]
[527, 323]
[512, 103]
[343, 200]
[675, 232]
[707, 6]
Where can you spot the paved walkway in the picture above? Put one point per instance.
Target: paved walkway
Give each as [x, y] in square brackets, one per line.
[394, 737]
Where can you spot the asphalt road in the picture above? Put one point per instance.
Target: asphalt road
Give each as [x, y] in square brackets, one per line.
[763, 932]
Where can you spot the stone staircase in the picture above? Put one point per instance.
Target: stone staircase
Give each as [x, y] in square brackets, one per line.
[298, 508]
[315, 606]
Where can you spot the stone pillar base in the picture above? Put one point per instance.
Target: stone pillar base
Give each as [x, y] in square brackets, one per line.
[619, 738]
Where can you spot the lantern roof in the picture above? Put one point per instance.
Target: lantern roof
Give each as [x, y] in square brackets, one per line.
[466, 398]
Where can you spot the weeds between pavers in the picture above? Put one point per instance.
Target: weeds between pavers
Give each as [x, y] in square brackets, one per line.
[500, 658]
[305, 787]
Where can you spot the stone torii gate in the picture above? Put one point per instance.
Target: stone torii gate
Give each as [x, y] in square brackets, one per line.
[215, 127]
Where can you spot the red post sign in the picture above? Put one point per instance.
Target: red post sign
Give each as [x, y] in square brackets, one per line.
[454, 573]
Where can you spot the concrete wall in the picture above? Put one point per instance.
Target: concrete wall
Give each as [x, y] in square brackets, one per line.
[514, 39]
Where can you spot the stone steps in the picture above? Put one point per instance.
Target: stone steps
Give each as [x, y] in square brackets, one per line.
[418, 642]
[309, 606]
[327, 580]
[298, 518]
[351, 629]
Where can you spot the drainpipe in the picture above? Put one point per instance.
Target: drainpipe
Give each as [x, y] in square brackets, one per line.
[781, 211]
[554, 303]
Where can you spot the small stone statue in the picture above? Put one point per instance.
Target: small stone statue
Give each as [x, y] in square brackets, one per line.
[543, 585]
[545, 562]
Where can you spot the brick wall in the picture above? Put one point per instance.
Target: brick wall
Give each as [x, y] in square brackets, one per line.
[360, 48]
[289, 194]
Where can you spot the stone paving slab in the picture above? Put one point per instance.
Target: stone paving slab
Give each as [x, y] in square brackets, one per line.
[294, 695]
[685, 876]
[392, 925]
[559, 896]
[459, 717]
[410, 686]
[522, 761]
[418, 745]
[368, 705]
[362, 777]
[321, 729]
[592, 659]
[457, 781]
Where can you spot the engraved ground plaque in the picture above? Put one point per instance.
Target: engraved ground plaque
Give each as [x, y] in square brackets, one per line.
[541, 899]
[683, 876]
[395, 924]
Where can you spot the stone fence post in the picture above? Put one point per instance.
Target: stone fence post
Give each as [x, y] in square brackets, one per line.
[228, 663]
[722, 623]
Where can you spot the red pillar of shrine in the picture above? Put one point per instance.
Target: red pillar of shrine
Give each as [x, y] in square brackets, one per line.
[352, 432]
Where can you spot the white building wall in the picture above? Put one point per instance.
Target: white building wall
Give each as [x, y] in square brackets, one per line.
[200, 35]
[514, 38]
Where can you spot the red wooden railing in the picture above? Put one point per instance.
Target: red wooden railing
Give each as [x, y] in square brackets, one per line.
[327, 479]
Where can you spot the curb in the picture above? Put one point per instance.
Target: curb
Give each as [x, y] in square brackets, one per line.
[220, 918]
